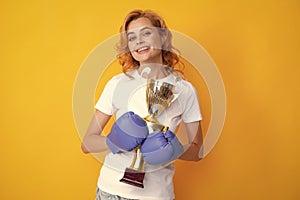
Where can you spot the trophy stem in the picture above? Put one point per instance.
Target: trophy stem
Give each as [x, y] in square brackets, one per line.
[134, 158]
[141, 163]
[150, 118]
[154, 123]
[137, 152]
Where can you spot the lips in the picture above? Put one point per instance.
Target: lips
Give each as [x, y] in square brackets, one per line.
[142, 49]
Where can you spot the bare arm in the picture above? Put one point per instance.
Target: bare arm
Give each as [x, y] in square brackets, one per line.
[195, 137]
[93, 142]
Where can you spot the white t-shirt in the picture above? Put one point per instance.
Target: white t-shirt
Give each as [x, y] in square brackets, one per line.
[122, 94]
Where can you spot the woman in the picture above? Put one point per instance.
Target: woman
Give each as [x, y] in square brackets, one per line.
[145, 51]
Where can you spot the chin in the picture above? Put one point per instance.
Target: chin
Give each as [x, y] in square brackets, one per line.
[146, 58]
[142, 58]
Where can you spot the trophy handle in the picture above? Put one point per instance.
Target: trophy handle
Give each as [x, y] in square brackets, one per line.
[165, 129]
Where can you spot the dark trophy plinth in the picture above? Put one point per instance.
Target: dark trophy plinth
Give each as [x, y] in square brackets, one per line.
[133, 177]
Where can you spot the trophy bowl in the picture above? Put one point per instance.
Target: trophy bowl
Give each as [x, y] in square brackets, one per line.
[158, 96]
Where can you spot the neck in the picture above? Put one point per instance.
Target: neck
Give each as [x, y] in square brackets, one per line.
[158, 70]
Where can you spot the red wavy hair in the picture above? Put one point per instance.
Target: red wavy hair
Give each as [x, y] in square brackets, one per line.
[170, 55]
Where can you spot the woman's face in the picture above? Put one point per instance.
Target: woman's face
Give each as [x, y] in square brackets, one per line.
[144, 41]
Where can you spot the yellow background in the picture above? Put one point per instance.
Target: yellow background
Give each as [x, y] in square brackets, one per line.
[255, 44]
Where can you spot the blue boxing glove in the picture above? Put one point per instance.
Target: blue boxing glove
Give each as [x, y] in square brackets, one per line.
[129, 131]
[160, 148]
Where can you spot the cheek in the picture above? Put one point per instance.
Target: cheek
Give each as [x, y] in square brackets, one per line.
[156, 43]
[130, 46]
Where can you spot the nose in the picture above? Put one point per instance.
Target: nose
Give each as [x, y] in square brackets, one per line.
[139, 40]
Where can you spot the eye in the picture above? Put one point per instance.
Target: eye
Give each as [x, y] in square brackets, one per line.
[147, 33]
[131, 38]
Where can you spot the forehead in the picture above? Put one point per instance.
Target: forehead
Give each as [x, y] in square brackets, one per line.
[139, 23]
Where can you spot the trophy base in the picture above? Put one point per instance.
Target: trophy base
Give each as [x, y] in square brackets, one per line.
[133, 177]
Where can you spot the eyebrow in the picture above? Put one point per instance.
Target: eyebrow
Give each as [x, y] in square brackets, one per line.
[140, 30]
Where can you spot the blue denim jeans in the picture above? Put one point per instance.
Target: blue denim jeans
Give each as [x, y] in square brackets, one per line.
[101, 195]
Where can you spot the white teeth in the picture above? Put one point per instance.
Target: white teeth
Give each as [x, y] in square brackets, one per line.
[142, 49]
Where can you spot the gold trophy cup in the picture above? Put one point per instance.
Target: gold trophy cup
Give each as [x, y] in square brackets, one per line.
[158, 97]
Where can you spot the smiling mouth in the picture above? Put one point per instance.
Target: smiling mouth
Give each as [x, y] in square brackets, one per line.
[143, 49]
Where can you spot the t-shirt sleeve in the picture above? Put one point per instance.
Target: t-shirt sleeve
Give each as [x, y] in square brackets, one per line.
[105, 101]
[191, 111]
